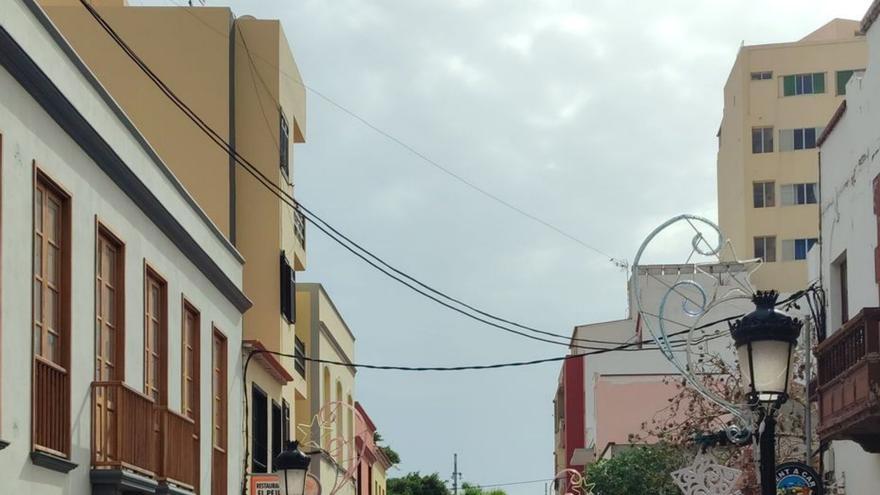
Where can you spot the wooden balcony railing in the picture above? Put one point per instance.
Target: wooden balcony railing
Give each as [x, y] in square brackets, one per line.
[51, 412]
[177, 450]
[849, 382]
[218, 471]
[123, 429]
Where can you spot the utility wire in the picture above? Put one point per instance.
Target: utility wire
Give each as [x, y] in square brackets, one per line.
[315, 220]
[620, 262]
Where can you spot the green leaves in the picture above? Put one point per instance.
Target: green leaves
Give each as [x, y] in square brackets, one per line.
[416, 484]
[642, 469]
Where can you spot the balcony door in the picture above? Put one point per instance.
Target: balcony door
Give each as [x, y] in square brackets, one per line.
[109, 353]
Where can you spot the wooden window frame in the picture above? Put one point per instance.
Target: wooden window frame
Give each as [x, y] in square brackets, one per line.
[43, 180]
[151, 273]
[108, 234]
[219, 366]
[187, 307]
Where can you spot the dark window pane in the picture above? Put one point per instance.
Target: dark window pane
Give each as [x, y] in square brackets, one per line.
[770, 248]
[756, 140]
[759, 247]
[768, 139]
[758, 192]
[807, 81]
[843, 77]
[810, 137]
[798, 139]
[800, 249]
[811, 193]
[818, 80]
[788, 86]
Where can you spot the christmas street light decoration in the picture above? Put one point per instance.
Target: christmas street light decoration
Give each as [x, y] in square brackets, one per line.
[706, 477]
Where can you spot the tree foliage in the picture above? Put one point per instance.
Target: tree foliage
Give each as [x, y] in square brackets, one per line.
[476, 490]
[417, 484]
[642, 469]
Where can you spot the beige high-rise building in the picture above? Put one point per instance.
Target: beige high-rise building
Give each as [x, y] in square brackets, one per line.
[777, 100]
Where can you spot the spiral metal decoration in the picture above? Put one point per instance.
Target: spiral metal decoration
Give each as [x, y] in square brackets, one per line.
[697, 308]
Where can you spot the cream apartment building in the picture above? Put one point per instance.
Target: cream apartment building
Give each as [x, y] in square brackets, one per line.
[777, 99]
[238, 74]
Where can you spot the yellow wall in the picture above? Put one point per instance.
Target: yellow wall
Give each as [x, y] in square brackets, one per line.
[379, 479]
[154, 33]
[749, 104]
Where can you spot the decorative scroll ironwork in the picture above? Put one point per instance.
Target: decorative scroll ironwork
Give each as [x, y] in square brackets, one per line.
[697, 307]
[574, 483]
[321, 435]
[706, 477]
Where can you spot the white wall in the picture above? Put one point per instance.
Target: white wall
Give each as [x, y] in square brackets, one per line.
[29, 135]
[849, 164]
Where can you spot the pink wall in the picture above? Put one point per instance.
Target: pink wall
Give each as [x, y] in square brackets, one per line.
[624, 402]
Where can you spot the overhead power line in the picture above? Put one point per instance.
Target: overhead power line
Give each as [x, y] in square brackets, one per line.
[620, 262]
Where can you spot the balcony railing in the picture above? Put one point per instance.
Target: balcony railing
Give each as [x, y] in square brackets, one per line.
[299, 226]
[51, 416]
[849, 382]
[123, 429]
[177, 449]
[131, 432]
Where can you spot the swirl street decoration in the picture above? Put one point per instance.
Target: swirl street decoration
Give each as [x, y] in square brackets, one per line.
[574, 482]
[706, 477]
[697, 303]
[326, 434]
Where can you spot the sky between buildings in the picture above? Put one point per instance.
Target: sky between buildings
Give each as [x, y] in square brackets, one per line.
[598, 116]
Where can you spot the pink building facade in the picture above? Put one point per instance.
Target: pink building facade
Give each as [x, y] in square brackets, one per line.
[372, 462]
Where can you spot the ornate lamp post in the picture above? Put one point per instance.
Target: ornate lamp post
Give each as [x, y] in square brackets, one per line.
[765, 340]
[294, 465]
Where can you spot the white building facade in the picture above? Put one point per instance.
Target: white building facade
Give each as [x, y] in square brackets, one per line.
[848, 355]
[120, 338]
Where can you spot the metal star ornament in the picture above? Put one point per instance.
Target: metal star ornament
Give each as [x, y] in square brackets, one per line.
[706, 477]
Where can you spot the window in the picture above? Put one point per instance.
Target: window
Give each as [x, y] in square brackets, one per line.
[260, 431]
[190, 350]
[796, 249]
[51, 318]
[762, 140]
[218, 453]
[765, 248]
[843, 286]
[288, 290]
[155, 336]
[803, 84]
[277, 431]
[283, 145]
[285, 423]
[843, 77]
[798, 139]
[763, 192]
[109, 307]
[299, 356]
[762, 76]
[799, 194]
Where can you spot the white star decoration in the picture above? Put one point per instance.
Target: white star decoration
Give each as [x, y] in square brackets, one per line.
[706, 477]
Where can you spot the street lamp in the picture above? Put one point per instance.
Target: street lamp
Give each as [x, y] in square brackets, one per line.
[294, 465]
[765, 341]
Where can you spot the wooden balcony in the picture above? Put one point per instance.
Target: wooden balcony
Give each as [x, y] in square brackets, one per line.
[849, 382]
[130, 432]
[51, 413]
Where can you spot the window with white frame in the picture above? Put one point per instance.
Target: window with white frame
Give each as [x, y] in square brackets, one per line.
[798, 139]
[799, 194]
[796, 249]
[763, 194]
[765, 248]
[762, 140]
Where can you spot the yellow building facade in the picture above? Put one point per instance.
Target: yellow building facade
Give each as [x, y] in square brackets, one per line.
[777, 99]
[326, 421]
[239, 75]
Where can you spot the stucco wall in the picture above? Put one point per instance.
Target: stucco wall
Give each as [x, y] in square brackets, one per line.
[849, 164]
[29, 134]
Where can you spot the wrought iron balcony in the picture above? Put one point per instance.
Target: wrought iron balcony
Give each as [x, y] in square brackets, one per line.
[849, 382]
[299, 226]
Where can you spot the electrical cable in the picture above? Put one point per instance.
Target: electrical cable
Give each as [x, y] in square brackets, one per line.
[619, 262]
[318, 222]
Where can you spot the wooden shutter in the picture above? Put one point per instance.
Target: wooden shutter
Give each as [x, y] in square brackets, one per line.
[788, 86]
[819, 82]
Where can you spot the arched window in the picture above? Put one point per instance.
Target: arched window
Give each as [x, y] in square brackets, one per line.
[340, 413]
[325, 429]
[349, 434]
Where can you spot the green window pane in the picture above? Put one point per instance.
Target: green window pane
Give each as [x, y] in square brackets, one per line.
[843, 77]
[788, 85]
[819, 82]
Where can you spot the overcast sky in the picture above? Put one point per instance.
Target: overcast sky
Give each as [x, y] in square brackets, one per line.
[598, 116]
